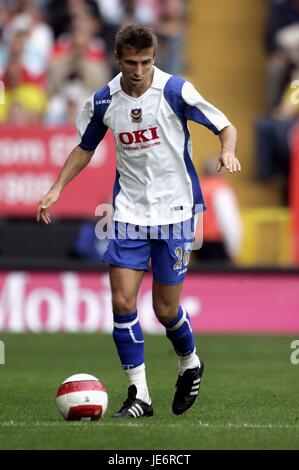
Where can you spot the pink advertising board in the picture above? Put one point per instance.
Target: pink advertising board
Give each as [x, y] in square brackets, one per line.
[217, 303]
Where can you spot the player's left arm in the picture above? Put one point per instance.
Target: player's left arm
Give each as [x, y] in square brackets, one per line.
[199, 110]
[228, 159]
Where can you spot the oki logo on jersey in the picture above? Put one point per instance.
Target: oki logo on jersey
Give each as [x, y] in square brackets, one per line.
[140, 136]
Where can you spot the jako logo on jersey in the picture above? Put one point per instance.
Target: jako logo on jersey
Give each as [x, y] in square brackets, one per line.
[136, 137]
[103, 101]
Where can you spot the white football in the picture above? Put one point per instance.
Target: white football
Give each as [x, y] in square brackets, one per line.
[82, 396]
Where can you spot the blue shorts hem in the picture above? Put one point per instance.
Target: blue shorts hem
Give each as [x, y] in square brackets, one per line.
[125, 265]
[168, 283]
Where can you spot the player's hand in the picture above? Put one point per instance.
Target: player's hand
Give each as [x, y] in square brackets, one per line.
[46, 201]
[230, 162]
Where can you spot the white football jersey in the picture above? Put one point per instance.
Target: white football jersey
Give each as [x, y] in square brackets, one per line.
[156, 182]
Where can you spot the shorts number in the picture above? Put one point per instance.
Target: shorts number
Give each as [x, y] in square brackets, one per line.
[183, 258]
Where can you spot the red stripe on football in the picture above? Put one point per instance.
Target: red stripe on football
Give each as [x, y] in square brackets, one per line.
[94, 412]
[82, 385]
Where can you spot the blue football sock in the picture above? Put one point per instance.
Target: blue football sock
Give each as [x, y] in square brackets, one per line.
[129, 341]
[179, 332]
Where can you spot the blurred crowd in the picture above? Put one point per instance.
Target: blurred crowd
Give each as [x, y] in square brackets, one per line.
[54, 54]
[274, 130]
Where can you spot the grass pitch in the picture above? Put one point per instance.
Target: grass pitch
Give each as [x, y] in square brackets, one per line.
[248, 399]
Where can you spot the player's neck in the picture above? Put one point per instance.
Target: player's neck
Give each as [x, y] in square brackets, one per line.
[134, 90]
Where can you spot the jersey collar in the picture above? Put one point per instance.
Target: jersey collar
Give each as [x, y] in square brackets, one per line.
[158, 81]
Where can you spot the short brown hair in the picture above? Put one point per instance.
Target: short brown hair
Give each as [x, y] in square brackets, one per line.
[137, 36]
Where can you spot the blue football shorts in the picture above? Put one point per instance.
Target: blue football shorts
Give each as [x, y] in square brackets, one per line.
[168, 247]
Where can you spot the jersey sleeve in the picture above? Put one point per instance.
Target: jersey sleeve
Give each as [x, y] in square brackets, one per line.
[90, 122]
[199, 110]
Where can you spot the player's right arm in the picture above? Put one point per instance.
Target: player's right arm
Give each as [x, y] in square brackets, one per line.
[91, 130]
[76, 161]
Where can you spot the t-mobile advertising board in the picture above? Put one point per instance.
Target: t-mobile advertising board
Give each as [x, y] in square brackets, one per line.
[30, 161]
[217, 303]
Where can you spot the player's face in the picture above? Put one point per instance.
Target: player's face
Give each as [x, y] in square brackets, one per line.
[137, 68]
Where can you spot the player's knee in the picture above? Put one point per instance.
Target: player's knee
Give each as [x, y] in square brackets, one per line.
[123, 304]
[165, 312]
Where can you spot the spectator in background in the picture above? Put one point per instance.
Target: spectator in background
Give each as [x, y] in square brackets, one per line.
[63, 108]
[25, 48]
[273, 144]
[59, 14]
[24, 105]
[37, 42]
[25, 98]
[4, 15]
[170, 29]
[272, 129]
[282, 14]
[78, 55]
[222, 226]
[78, 65]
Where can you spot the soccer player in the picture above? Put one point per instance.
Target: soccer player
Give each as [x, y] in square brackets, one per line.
[157, 190]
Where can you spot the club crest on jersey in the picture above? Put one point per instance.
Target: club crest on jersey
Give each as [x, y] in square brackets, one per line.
[136, 115]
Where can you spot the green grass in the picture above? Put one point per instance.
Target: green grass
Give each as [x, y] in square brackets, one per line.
[249, 397]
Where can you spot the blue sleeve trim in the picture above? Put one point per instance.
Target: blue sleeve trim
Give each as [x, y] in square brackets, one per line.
[96, 129]
[194, 114]
[173, 95]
